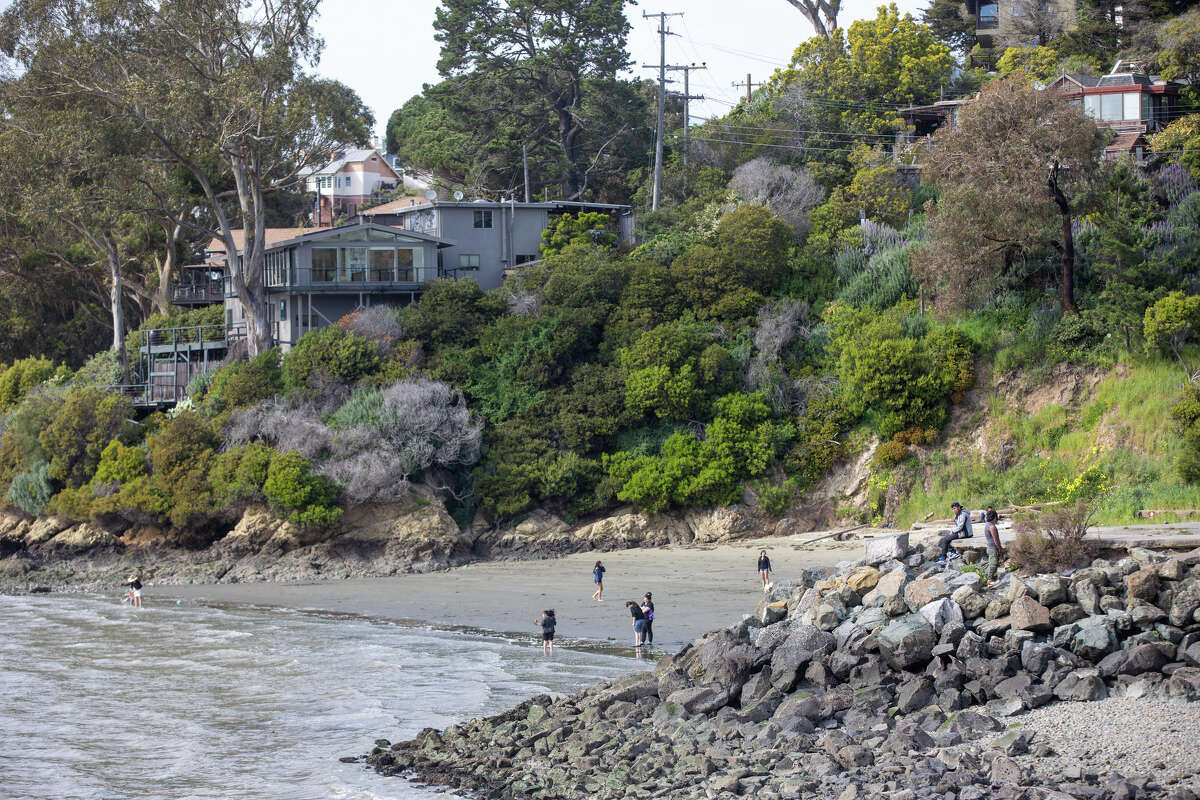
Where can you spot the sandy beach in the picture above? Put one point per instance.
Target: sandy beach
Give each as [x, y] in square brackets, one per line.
[695, 590]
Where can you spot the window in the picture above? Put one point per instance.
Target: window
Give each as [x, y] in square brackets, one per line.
[283, 309]
[1110, 107]
[406, 259]
[354, 264]
[468, 261]
[525, 259]
[324, 264]
[228, 318]
[1133, 105]
[483, 218]
[383, 265]
[326, 182]
[989, 15]
[1091, 106]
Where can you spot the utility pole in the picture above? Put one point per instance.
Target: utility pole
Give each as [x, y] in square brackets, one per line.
[662, 98]
[687, 96]
[750, 87]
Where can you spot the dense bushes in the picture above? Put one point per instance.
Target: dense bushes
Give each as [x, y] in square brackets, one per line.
[83, 426]
[333, 352]
[305, 497]
[23, 375]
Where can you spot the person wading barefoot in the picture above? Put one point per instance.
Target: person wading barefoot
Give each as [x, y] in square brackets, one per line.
[598, 579]
[547, 623]
[764, 568]
[639, 622]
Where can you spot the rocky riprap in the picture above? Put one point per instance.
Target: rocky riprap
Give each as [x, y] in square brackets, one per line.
[893, 678]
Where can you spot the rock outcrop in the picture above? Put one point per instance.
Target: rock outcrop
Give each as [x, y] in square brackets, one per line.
[886, 680]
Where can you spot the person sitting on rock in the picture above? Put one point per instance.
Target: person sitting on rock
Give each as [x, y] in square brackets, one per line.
[961, 530]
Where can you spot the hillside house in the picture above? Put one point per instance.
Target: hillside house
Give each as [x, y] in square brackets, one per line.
[351, 179]
[485, 238]
[315, 276]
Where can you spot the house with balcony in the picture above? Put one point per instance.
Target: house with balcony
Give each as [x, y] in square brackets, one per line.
[999, 23]
[314, 276]
[483, 238]
[351, 179]
[1127, 100]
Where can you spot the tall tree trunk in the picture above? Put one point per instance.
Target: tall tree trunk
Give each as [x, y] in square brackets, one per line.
[247, 279]
[167, 269]
[116, 301]
[568, 142]
[1068, 245]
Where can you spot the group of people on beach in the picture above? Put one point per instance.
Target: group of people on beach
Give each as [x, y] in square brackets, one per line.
[961, 529]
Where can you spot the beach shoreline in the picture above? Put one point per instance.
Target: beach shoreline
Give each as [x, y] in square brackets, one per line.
[695, 589]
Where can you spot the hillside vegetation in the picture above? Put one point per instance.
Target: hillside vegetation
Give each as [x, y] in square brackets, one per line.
[803, 300]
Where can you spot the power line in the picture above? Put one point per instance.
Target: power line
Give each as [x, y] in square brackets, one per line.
[662, 98]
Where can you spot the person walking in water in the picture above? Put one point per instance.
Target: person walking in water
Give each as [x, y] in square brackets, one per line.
[135, 586]
[639, 622]
[991, 535]
[598, 579]
[764, 568]
[648, 610]
[547, 623]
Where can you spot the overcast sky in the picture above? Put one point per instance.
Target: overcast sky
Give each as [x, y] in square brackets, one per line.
[384, 49]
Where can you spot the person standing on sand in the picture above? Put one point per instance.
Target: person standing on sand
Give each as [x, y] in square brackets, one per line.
[991, 535]
[764, 568]
[547, 623]
[648, 610]
[598, 579]
[639, 622]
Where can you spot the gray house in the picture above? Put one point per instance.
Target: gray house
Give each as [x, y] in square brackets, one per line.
[484, 238]
[315, 276]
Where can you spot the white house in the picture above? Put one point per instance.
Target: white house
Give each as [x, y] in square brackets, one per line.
[348, 181]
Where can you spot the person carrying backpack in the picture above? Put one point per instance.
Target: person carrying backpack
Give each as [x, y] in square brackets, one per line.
[648, 610]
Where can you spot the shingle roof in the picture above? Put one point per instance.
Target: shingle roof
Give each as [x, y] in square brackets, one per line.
[1125, 79]
[396, 206]
[1125, 141]
[273, 237]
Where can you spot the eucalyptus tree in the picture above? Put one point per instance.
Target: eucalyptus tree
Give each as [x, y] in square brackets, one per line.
[822, 14]
[221, 88]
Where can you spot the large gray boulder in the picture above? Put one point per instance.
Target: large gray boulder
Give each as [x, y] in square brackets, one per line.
[1049, 589]
[700, 699]
[1029, 615]
[886, 548]
[908, 642]
[940, 613]
[1185, 603]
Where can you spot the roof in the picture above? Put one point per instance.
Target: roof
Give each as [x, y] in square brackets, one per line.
[402, 204]
[350, 157]
[553, 205]
[273, 237]
[1125, 79]
[1126, 141]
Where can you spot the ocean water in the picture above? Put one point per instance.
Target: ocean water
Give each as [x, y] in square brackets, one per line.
[103, 701]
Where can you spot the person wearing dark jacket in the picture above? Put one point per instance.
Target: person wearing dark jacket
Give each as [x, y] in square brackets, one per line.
[547, 623]
[639, 622]
[648, 610]
[764, 568]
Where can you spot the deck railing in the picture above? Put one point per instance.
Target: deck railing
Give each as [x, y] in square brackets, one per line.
[198, 292]
[173, 337]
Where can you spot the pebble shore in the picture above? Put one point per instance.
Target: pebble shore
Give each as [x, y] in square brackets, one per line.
[1131, 736]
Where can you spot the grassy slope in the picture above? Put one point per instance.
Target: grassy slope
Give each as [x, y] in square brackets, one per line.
[1005, 452]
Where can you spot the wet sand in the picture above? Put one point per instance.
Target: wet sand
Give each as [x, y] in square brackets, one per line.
[695, 590]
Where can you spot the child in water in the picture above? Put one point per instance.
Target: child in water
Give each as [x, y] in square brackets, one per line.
[547, 623]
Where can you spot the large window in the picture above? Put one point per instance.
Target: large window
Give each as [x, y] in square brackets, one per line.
[989, 15]
[483, 218]
[1110, 107]
[468, 261]
[1132, 106]
[354, 264]
[383, 265]
[324, 264]
[406, 259]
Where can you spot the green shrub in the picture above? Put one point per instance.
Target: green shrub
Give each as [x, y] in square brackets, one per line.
[332, 351]
[1053, 539]
[101, 370]
[240, 472]
[1078, 338]
[31, 491]
[182, 453]
[85, 423]
[294, 489]
[1171, 323]
[889, 454]
[120, 463]
[588, 228]
[245, 383]
[23, 375]
[776, 499]
[363, 407]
